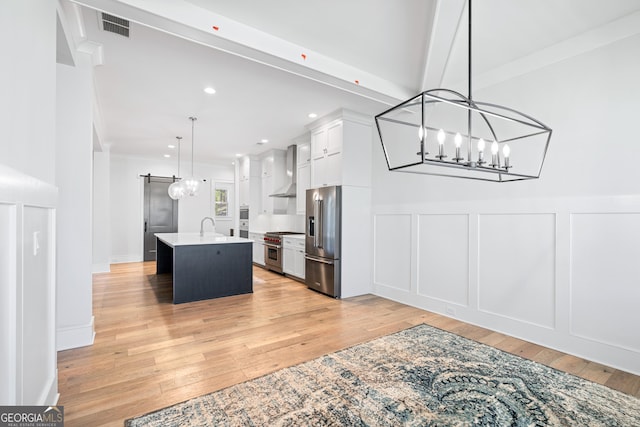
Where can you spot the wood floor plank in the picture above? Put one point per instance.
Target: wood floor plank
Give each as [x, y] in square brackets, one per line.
[149, 353]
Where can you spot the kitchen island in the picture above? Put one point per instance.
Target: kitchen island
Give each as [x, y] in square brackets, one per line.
[205, 267]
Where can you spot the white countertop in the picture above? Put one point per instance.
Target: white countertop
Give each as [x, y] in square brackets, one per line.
[185, 239]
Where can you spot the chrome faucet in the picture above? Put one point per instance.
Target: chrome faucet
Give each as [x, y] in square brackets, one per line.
[213, 222]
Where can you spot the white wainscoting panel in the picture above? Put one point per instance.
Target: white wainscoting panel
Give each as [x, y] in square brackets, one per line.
[28, 358]
[392, 251]
[38, 313]
[517, 266]
[605, 278]
[7, 304]
[443, 257]
[559, 272]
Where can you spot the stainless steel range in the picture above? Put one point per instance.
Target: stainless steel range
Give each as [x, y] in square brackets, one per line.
[273, 249]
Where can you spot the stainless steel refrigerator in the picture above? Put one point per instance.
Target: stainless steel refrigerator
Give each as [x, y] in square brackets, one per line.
[322, 240]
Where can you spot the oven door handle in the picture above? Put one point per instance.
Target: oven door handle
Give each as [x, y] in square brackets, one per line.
[272, 246]
[324, 261]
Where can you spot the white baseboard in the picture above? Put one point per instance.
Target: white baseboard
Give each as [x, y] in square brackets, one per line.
[75, 336]
[121, 259]
[51, 394]
[101, 268]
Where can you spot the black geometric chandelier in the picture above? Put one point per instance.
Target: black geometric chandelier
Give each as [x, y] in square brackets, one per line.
[442, 132]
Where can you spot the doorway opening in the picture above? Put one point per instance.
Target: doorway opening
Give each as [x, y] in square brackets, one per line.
[160, 212]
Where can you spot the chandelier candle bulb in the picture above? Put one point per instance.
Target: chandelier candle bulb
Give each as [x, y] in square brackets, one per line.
[506, 151]
[441, 138]
[495, 160]
[481, 145]
[458, 141]
[422, 134]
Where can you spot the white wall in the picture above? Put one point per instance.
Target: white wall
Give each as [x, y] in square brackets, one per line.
[74, 147]
[127, 199]
[28, 366]
[549, 260]
[270, 222]
[101, 210]
[27, 104]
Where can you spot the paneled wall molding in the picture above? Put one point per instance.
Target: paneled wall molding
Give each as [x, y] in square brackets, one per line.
[560, 272]
[28, 358]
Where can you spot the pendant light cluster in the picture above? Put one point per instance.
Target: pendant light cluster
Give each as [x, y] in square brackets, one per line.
[176, 189]
[439, 120]
[190, 185]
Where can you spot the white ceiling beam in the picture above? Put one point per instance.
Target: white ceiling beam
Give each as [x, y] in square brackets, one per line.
[186, 20]
[611, 32]
[65, 43]
[446, 20]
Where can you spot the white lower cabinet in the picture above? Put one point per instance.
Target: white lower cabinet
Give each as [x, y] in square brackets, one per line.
[288, 262]
[293, 258]
[258, 248]
[299, 263]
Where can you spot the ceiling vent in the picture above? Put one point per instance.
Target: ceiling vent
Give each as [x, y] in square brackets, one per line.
[116, 25]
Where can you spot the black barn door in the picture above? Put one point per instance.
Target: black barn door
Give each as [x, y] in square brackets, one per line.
[160, 213]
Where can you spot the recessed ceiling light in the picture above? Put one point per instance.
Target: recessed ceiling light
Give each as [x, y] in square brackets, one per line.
[171, 146]
[238, 155]
[312, 115]
[167, 155]
[233, 163]
[209, 90]
[264, 141]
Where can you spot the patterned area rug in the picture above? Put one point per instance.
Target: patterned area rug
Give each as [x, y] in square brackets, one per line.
[418, 377]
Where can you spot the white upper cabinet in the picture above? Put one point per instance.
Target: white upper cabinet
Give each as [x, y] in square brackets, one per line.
[303, 177]
[326, 147]
[303, 155]
[245, 168]
[318, 143]
[249, 170]
[341, 150]
[273, 178]
[267, 165]
[334, 138]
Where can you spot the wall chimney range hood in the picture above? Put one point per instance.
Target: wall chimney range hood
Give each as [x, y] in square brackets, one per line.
[289, 189]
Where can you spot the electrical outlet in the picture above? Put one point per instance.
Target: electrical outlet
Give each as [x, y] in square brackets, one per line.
[450, 310]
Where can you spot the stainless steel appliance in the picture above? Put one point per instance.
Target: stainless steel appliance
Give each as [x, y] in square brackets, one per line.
[244, 222]
[289, 189]
[273, 250]
[322, 240]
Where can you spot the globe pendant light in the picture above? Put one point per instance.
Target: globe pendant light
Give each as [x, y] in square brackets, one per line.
[176, 189]
[191, 184]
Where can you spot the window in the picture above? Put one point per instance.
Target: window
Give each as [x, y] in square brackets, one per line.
[222, 202]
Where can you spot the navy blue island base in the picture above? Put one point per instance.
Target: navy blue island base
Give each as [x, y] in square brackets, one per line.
[204, 271]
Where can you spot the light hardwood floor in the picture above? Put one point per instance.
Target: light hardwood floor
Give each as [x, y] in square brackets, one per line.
[149, 353]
